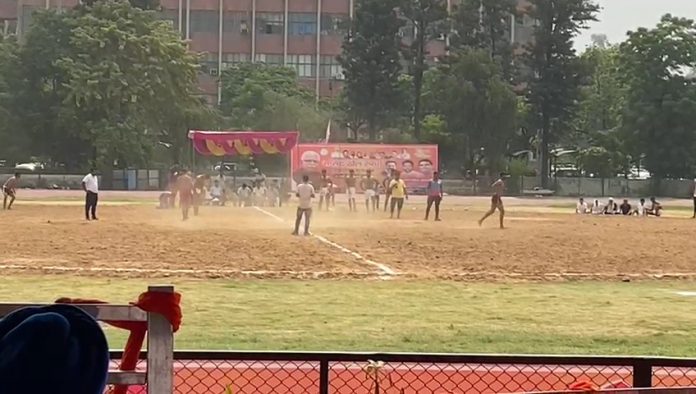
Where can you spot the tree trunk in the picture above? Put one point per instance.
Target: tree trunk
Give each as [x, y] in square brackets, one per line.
[418, 81]
[544, 154]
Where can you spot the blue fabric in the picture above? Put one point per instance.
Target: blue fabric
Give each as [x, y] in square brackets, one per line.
[54, 349]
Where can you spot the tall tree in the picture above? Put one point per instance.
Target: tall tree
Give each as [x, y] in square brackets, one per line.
[477, 105]
[485, 24]
[555, 71]
[98, 78]
[428, 20]
[661, 100]
[371, 64]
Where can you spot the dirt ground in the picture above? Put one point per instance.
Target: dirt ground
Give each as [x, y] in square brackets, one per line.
[541, 242]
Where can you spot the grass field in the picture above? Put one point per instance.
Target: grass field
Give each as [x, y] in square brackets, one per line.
[551, 283]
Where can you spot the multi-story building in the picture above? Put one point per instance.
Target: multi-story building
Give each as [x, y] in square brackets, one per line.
[306, 35]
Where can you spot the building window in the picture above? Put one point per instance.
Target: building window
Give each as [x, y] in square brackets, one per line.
[270, 59]
[303, 64]
[229, 59]
[236, 22]
[300, 24]
[330, 68]
[203, 21]
[269, 23]
[334, 24]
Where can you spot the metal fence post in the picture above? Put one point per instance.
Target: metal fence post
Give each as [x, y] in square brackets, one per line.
[642, 374]
[324, 377]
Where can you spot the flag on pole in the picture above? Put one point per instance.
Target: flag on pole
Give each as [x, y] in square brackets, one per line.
[328, 132]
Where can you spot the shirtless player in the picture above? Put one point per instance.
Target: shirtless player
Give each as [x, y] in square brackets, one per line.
[496, 201]
[199, 187]
[351, 181]
[184, 185]
[325, 184]
[9, 189]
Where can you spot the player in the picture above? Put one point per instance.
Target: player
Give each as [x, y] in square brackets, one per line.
[496, 201]
[185, 187]
[9, 189]
[324, 184]
[398, 193]
[350, 190]
[305, 194]
[199, 186]
[385, 184]
[370, 187]
[434, 191]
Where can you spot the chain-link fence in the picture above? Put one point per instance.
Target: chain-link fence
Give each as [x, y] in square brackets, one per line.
[198, 372]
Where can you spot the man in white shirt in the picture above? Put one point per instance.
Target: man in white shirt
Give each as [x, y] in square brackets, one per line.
[90, 184]
[217, 194]
[305, 194]
[581, 208]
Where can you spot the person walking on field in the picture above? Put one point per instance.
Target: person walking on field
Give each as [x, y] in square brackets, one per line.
[90, 184]
[9, 189]
[496, 201]
[184, 185]
[305, 194]
[435, 192]
[370, 188]
[397, 188]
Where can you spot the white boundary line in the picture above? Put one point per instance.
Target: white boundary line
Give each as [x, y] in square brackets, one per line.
[384, 269]
[260, 273]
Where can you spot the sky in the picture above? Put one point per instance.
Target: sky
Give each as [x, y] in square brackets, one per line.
[619, 16]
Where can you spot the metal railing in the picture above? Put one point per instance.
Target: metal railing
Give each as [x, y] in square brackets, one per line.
[403, 373]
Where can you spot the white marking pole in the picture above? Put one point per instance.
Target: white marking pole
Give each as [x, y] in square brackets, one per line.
[385, 270]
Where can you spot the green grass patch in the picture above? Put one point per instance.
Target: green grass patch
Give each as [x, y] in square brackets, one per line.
[646, 318]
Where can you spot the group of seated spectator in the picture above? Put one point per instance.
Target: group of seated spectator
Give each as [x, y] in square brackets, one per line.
[654, 208]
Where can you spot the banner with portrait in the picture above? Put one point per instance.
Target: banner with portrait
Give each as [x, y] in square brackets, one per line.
[416, 163]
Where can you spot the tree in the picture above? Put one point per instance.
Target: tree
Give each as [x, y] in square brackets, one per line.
[555, 71]
[491, 29]
[13, 144]
[426, 17]
[661, 96]
[371, 65]
[476, 104]
[264, 97]
[96, 80]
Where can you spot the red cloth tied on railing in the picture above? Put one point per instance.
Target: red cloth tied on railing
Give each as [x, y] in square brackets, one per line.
[589, 387]
[166, 304]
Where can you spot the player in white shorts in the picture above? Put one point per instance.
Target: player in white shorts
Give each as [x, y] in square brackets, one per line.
[324, 192]
[351, 181]
[370, 187]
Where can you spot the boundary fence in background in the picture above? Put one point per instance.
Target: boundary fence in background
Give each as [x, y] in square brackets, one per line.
[247, 372]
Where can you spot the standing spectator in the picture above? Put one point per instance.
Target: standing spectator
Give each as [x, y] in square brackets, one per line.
[9, 189]
[435, 192]
[305, 194]
[397, 188]
[90, 184]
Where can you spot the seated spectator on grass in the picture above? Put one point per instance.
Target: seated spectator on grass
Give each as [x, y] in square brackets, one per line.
[597, 208]
[611, 208]
[581, 208]
[640, 209]
[217, 194]
[54, 349]
[625, 207]
[655, 208]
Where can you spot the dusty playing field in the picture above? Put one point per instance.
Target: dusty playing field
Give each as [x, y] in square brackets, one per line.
[138, 240]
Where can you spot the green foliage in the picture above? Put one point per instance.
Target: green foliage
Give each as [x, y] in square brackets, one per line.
[371, 65]
[101, 83]
[491, 19]
[661, 96]
[555, 71]
[477, 106]
[601, 162]
[263, 97]
[427, 17]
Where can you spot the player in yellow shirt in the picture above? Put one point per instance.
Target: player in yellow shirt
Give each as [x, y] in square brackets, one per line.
[397, 189]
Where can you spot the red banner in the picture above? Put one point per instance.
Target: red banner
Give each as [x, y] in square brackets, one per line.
[222, 143]
[415, 162]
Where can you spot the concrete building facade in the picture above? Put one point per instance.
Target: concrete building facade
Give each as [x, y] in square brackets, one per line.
[306, 35]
